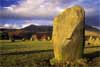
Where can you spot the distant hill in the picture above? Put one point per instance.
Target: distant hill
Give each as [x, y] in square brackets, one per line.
[7, 30]
[34, 28]
[90, 28]
[49, 28]
[28, 31]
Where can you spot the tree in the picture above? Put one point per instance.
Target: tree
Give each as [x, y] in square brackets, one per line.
[1, 33]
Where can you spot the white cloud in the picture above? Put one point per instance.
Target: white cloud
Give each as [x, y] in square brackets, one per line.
[36, 22]
[26, 23]
[90, 11]
[88, 5]
[43, 8]
[34, 8]
[98, 27]
[29, 22]
[10, 26]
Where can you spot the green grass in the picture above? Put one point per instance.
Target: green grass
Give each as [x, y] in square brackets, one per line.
[37, 59]
[8, 46]
[25, 60]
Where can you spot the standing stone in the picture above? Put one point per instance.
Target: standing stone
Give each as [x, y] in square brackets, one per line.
[68, 35]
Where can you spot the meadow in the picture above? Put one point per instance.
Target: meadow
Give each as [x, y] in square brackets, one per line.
[6, 46]
[25, 53]
[33, 53]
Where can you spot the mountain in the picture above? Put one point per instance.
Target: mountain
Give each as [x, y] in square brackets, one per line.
[34, 28]
[90, 28]
[7, 30]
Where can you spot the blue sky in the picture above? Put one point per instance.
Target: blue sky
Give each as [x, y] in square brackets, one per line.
[21, 13]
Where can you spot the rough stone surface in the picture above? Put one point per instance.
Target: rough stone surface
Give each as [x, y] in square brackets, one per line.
[68, 34]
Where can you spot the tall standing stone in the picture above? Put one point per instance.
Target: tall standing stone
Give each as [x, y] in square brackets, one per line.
[68, 34]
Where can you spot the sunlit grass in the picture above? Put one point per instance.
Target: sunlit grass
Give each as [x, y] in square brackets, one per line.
[27, 60]
[8, 46]
[32, 59]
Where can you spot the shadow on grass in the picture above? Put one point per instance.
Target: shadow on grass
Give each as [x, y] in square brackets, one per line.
[93, 55]
[27, 52]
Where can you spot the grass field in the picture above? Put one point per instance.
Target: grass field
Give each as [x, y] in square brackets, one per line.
[26, 60]
[38, 56]
[7, 46]
[29, 53]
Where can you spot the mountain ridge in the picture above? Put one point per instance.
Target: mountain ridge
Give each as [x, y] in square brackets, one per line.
[45, 28]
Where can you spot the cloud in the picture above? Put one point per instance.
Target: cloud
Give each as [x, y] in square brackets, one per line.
[36, 22]
[30, 8]
[10, 26]
[98, 27]
[29, 22]
[90, 6]
[41, 12]
[44, 8]
[90, 11]
[25, 23]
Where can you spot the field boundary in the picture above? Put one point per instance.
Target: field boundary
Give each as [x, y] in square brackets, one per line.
[92, 47]
[27, 52]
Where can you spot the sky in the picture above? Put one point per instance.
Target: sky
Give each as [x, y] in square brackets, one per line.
[21, 13]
